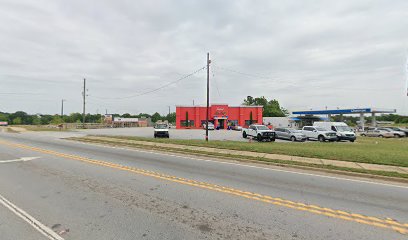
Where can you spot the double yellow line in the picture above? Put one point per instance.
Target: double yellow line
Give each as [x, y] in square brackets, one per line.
[353, 217]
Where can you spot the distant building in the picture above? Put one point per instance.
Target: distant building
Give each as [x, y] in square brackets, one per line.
[221, 115]
[274, 122]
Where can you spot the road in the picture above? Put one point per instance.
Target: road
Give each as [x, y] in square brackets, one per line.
[82, 191]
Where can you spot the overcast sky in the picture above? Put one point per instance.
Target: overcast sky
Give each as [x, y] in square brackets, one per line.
[306, 54]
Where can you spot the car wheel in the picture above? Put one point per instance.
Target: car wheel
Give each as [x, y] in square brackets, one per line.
[363, 135]
[273, 139]
[321, 138]
[259, 138]
[351, 140]
[396, 135]
[293, 139]
[381, 136]
[244, 135]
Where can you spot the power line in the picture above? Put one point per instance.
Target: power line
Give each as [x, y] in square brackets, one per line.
[215, 81]
[156, 89]
[19, 93]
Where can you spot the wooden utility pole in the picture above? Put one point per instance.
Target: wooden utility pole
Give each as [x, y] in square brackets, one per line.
[208, 96]
[83, 108]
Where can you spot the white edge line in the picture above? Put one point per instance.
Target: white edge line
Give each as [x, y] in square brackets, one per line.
[44, 230]
[250, 166]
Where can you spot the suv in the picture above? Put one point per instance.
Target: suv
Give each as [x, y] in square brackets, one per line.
[161, 130]
[319, 133]
[260, 132]
[344, 132]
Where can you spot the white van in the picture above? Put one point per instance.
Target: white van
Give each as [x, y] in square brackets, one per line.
[344, 132]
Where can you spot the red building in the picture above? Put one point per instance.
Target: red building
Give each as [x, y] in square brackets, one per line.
[221, 115]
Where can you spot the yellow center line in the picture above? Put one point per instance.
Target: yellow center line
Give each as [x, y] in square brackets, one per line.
[354, 217]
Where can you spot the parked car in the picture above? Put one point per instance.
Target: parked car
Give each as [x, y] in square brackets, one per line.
[236, 127]
[344, 132]
[400, 129]
[210, 126]
[377, 133]
[260, 132]
[319, 133]
[396, 133]
[290, 134]
[161, 130]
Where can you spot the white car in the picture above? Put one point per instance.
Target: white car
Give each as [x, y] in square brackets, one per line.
[319, 133]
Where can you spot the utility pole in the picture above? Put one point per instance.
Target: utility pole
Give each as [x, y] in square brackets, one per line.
[169, 110]
[62, 107]
[83, 112]
[208, 96]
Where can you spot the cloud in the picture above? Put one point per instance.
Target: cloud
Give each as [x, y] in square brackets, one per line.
[307, 54]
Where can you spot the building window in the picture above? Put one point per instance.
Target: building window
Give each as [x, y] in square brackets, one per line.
[233, 122]
[185, 123]
[249, 122]
[203, 122]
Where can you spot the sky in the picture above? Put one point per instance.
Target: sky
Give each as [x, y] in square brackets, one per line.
[139, 56]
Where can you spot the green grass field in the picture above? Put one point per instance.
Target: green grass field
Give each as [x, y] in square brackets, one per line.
[365, 150]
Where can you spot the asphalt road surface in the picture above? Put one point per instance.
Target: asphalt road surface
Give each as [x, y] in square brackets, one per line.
[78, 191]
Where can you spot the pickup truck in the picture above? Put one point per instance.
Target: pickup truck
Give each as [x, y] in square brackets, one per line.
[319, 133]
[260, 132]
[161, 130]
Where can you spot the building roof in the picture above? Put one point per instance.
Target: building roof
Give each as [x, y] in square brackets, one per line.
[241, 106]
[347, 111]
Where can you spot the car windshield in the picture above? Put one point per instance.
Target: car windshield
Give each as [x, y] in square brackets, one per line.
[262, 128]
[343, 128]
[161, 126]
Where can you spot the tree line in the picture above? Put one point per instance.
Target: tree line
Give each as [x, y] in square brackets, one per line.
[23, 118]
[271, 108]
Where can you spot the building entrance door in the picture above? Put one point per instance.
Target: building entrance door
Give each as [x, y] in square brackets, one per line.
[221, 123]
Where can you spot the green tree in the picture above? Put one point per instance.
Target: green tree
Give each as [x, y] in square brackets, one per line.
[270, 108]
[17, 121]
[36, 120]
[156, 117]
[3, 117]
[171, 117]
[56, 119]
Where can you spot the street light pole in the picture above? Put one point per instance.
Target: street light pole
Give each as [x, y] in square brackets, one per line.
[208, 96]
